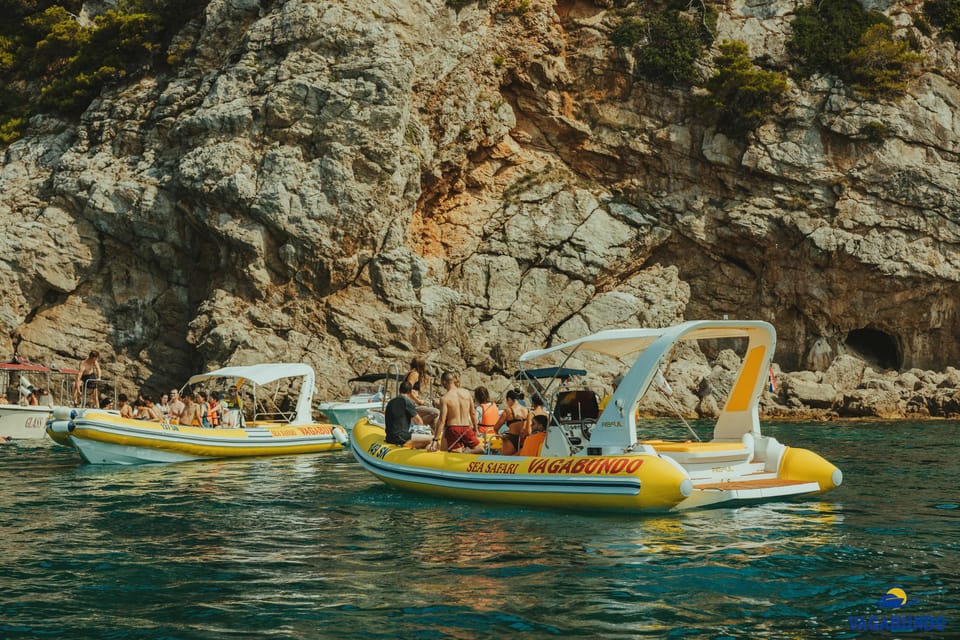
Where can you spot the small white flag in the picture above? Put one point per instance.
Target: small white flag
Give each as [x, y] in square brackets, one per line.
[662, 383]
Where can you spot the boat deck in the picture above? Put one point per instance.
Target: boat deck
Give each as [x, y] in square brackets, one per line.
[760, 483]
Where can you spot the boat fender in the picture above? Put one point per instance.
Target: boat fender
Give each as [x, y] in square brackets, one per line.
[340, 435]
[71, 426]
[64, 413]
[57, 426]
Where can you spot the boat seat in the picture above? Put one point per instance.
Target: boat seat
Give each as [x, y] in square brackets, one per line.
[703, 454]
[692, 447]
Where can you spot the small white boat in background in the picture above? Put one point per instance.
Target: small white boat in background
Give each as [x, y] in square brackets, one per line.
[104, 437]
[369, 392]
[22, 420]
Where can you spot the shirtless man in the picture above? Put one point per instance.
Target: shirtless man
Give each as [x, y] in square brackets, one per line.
[176, 407]
[88, 370]
[150, 411]
[458, 421]
[126, 411]
[191, 414]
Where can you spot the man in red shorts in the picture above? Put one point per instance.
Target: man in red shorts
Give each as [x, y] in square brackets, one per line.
[458, 421]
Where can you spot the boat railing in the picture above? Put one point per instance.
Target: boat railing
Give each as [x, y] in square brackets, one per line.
[88, 386]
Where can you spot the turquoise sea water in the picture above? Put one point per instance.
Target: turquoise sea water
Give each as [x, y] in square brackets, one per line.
[313, 547]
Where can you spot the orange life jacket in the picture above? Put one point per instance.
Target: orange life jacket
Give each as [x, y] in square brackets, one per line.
[213, 414]
[489, 416]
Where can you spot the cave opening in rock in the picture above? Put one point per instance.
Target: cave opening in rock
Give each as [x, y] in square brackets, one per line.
[876, 347]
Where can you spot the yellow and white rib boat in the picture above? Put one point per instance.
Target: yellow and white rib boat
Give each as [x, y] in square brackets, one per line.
[595, 460]
[104, 437]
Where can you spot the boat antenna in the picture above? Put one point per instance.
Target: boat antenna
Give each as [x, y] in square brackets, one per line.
[664, 387]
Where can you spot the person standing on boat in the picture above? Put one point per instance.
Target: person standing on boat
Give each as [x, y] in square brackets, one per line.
[192, 414]
[399, 413]
[419, 381]
[164, 406]
[88, 372]
[176, 407]
[457, 423]
[516, 417]
[488, 413]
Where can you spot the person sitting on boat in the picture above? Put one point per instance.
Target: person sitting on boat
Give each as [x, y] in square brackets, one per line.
[107, 404]
[88, 372]
[419, 381]
[4, 399]
[398, 416]
[534, 442]
[515, 418]
[536, 409]
[149, 411]
[192, 414]
[201, 400]
[457, 423]
[126, 411]
[214, 410]
[488, 413]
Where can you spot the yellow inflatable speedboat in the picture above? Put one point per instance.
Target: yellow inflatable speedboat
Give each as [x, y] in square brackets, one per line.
[595, 459]
[104, 437]
[617, 483]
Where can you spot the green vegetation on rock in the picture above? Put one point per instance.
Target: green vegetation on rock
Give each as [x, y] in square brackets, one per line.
[52, 61]
[667, 43]
[739, 93]
[882, 65]
[841, 38]
[945, 15]
[673, 47]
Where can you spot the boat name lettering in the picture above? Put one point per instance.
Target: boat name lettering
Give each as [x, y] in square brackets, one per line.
[610, 424]
[584, 466]
[34, 422]
[169, 427]
[302, 431]
[493, 467]
[378, 450]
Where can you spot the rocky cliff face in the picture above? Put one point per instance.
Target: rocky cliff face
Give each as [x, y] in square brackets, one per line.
[355, 183]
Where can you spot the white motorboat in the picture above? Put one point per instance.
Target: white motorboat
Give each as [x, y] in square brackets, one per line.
[369, 392]
[104, 437]
[22, 420]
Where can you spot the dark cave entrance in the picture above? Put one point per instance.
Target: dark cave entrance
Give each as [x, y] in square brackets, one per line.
[876, 347]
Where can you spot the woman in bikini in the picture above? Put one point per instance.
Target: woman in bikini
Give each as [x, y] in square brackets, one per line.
[417, 377]
[515, 416]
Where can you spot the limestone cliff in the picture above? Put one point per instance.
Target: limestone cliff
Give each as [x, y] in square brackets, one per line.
[354, 183]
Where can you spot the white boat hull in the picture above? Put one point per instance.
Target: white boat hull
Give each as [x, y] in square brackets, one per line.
[347, 414]
[23, 423]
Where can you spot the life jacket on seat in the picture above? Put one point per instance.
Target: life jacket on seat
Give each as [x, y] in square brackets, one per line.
[533, 444]
[489, 416]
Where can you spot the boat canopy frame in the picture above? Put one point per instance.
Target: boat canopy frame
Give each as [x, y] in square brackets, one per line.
[650, 348]
[263, 374]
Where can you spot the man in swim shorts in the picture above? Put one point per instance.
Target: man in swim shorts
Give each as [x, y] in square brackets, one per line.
[88, 372]
[458, 420]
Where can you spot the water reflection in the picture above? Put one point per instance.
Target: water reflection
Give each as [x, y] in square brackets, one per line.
[288, 546]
